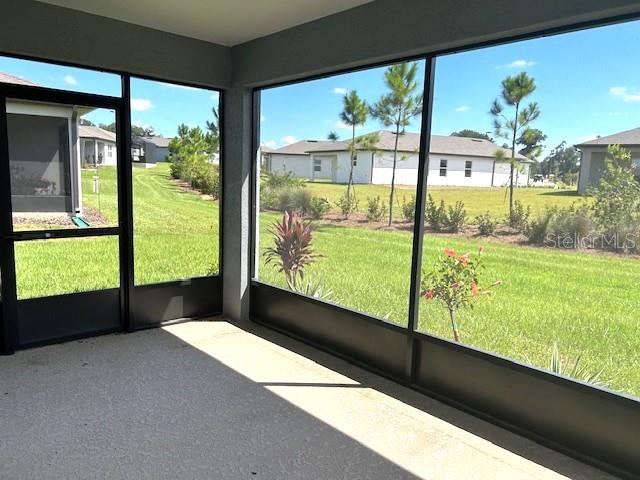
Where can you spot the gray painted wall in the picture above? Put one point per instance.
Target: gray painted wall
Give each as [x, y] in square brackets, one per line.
[50, 32]
[355, 37]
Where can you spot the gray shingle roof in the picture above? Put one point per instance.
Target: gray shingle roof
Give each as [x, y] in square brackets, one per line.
[628, 137]
[408, 142]
[91, 131]
[158, 141]
[303, 147]
[8, 78]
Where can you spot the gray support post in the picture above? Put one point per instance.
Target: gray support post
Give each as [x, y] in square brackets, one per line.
[238, 158]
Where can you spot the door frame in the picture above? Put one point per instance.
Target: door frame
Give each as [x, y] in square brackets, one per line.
[119, 318]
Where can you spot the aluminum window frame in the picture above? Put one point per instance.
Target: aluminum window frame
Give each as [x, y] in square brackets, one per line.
[129, 321]
[414, 337]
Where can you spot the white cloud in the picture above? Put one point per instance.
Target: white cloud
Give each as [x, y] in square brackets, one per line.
[520, 64]
[270, 144]
[340, 90]
[626, 94]
[463, 108]
[141, 104]
[262, 118]
[289, 139]
[70, 80]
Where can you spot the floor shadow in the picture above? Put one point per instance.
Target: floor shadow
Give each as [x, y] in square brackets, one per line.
[517, 444]
[150, 405]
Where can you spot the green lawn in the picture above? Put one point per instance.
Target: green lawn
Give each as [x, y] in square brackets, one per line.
[176, 237]
[476, 200]
[587, 303]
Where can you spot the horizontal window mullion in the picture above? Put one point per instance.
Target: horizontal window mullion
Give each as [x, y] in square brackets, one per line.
[63, 233]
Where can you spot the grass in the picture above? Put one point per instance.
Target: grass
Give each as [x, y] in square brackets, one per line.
[176, 237]
[476, 200]
[585, 302]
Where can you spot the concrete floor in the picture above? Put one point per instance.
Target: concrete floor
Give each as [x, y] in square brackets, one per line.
[210, 400]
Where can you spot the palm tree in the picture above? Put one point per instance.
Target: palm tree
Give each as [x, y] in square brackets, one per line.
[354, 113]
[514, 90]
[397, 108]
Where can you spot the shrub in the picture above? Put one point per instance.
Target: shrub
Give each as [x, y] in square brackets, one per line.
[301, 199]
[486, 224]
[280, 180]
[284, 200]
[290, 200]
[408, 209]
[318, 207]
[268, 199]
[347, 204]
[440, 218]
[206, 179]
[283, 192]
[455, 217]
[538, 229]
[616, 200]
[519, 217]
[574, 221]
[436, 215]
[376, 209]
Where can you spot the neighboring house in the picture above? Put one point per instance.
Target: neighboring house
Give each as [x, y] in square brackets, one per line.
[137, 150]
[97, 146]
[453, 161]
[44, 151]
[592, 161]
[151, 149]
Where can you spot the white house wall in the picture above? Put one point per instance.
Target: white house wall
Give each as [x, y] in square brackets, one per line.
[299, 165]
[379, 169]
[361, 170]
[481, 171]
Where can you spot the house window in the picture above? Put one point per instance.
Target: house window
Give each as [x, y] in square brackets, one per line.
[467, 168]
[443, 168]
[109, 151]
[317, 165]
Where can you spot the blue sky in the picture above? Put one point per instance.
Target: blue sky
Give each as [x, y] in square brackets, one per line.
[588, 84]
[161, 105]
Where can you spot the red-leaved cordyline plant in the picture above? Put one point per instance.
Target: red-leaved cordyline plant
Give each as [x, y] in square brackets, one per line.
[292, 250]
[454, 280]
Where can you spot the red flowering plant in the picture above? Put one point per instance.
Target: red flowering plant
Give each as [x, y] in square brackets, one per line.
[293, 249]
[454, 281]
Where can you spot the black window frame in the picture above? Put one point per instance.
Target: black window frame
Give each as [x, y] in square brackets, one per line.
[444, 166]
[468, 168]
[141, 306]
[301, 320]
